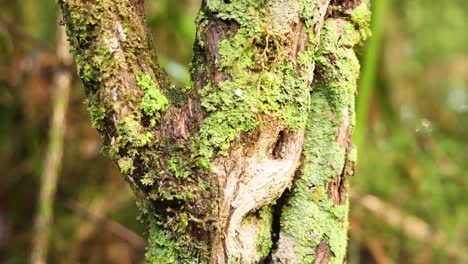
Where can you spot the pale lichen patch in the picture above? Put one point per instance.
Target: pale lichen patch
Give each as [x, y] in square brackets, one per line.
[284, 13]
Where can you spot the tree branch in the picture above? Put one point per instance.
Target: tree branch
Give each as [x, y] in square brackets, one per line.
[220, 153]
[126, 88]
[52, 164]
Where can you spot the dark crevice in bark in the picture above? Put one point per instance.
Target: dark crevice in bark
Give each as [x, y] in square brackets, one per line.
[277, 211]
[276, 224]
[323, 253]
[345, 4]
[214, 32]
[278, 148]
[337, 188]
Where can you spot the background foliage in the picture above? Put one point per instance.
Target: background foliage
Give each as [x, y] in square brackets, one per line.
[409, 199]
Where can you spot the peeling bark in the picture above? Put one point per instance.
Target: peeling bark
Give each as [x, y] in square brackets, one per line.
[262, 136]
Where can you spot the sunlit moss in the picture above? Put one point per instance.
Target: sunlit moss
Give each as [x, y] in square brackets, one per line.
[263, 236]
[153, 101]
[180, 169]
[161, 250]
[361, 17]
[126, 165]
[263, 78]
[311, 215]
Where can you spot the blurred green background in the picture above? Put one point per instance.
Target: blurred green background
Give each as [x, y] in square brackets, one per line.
[410, 192]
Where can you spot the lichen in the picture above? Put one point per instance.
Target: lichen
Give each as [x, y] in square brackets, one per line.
[263, 240]
[311, 215]
[284, 13]
[264, 80]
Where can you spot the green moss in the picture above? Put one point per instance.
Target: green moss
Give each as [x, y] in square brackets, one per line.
[361, 17]
[127, 95]
[179, 167]
[97, 115]
[318, 194]
[153, 101]
[147, 180]
[161, 250]
[264, 80]
[230, 112]
[126, 165]
[243, 12]
[134, 133]
[263, 241]
[311, 215]
[202, 185]
[203, 163]
[166, 248]
[309, 13]
[182, 194]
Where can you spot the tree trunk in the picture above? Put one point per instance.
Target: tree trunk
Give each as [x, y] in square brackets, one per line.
[250, 163]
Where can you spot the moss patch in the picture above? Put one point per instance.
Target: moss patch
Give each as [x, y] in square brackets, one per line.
[311, 215]
[161, 249]
[265, 78]
[361, 17]
[263, 241]
[179, 166]
[154, 102]
[127, 97]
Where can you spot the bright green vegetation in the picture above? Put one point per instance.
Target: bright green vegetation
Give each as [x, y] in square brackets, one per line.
[179, 166]
[263, 236]
[265, 78]
[361, 17]
[153, 102]
[108, 73]
[311, 216]
[168, 247]
[161, 249]
[125, 88]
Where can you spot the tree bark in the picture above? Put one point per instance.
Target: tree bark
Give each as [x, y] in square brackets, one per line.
[250, 163]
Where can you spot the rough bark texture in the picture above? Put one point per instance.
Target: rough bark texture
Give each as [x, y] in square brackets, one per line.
[251, 162]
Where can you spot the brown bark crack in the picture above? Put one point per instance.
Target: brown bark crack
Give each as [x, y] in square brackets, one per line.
[323, 252]
[337, 187]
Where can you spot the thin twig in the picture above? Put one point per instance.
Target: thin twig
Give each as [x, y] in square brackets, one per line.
[95, 213]
[23, 35]
[374, 246]
[62, 82]
[411, 225]
[377, 251]
[113, 227]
